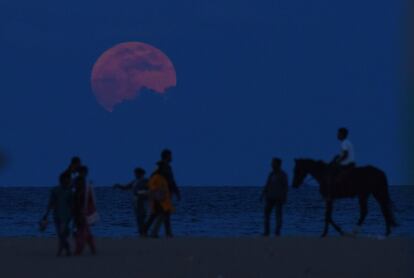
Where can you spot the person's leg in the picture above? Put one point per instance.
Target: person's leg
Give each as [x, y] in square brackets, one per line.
[59, 236]
[80, 237]
[149, 222]
[157, 225]
[167, 224]
[154, 215]
[267, 212]
[89, 239]
[136, 214]
[65, 238]
[141, 215]
[279, 217]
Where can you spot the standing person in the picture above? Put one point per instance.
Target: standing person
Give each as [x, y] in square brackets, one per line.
[161, 204]
[275, 195]
[74, 166]
[61, 203]
[92, 215]
[84, 208]
[139, 189]
[166, 159]
[165, 164]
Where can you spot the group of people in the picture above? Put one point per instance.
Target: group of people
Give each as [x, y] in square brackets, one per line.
[276, 188]
[153, 194]
[73, 199]
[72, 203]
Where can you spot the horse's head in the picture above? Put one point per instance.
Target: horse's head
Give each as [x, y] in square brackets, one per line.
[299, 173]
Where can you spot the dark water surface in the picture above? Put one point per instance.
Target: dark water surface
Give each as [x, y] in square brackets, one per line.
[209, 211]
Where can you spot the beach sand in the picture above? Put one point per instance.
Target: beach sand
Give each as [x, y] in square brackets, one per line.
[208, 257]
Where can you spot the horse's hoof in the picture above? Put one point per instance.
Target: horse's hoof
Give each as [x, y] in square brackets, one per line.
[387, 232]
[352, 235]
[356, 230]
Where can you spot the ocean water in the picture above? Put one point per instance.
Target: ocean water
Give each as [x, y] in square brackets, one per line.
[209, 212]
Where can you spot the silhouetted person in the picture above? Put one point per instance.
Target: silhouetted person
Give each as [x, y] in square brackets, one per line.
[61, 203]
[83, 233]
[74, 166]
[90, 204]
[342, 163]
[160, 200]
[275, 195]
[139, 189]
[166, 159]
[165, 164]
[362, 183]
[346, 158]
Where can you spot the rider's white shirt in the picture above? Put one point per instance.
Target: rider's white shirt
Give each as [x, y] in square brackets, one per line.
[346, 145]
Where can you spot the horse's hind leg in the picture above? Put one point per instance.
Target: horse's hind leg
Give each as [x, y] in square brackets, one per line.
[325, 229]
[387, 216]
[386, 212]
[363, 207]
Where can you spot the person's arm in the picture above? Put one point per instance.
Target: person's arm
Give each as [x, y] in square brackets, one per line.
[143, 189]
[343, 156]
[72, 204]
[50, 204]
[173, 185]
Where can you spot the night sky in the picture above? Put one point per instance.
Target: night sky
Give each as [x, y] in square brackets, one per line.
[255, 79]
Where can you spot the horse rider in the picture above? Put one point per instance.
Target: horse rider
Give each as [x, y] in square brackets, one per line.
[344, 162]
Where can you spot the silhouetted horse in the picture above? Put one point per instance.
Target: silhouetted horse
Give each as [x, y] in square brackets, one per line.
[358, 182]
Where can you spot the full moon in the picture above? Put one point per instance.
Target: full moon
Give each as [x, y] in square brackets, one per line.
[122, 71]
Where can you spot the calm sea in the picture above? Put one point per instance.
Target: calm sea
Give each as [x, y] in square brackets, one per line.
[208, 211]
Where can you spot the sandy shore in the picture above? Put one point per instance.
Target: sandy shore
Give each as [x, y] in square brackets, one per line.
[218, 258]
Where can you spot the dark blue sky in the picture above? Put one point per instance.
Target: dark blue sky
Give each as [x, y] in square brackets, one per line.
[255, 79]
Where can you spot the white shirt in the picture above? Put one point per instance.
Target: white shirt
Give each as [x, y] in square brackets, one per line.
[346, 145]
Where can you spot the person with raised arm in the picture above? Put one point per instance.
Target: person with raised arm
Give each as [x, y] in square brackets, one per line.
[139, 189]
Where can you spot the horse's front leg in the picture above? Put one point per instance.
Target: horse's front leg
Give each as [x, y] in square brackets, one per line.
[337, 228]
[363, 207]
[328, 217]
[329, 220]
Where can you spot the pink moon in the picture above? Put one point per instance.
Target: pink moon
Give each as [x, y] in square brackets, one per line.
[124, 70]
